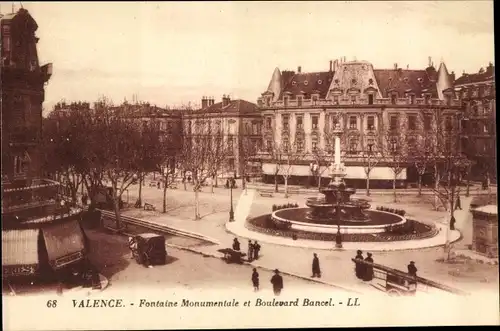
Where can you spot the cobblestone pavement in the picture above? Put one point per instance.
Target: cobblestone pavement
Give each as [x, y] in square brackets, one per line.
[336, 265]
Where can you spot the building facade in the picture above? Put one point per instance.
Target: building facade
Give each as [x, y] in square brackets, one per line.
[300, 110]
[477, 93]
[238, 123]
[40, 234]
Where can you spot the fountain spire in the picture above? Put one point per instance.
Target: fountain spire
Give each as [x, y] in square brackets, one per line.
[337, 168]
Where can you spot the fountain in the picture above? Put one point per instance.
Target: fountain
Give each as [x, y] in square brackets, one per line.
[336, 212]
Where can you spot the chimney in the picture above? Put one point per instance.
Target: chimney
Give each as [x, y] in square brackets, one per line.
[430, 62]
[225, 100]
[395, 66]
[331, 66]
[407, 67]
[299, 69]
[211, 101]
[204, 102]
[452, 76]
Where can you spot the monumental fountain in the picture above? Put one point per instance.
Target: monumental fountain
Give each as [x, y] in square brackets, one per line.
[337, 215]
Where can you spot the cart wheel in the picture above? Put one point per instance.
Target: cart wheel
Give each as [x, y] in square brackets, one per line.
[394, 293]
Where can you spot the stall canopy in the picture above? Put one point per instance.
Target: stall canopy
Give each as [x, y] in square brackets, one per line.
[20, 252]
[65, 243]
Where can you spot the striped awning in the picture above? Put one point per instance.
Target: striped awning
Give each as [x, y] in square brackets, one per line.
[20, 251]
[64, 242]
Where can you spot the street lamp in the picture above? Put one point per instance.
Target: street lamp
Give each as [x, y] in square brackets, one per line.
[338, 236]
[231, 211]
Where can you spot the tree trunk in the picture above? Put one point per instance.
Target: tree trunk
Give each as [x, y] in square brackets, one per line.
[286, 187]
[319, 182]
[276, 182]
[196, 203]
[419, 184]
[165, 197]
[212, 184]
[436, 188]
[467, 192]
[368, 185]
[394, 187]
[141, 179]
[185, 183]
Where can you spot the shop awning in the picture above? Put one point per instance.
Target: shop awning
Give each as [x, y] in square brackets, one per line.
[20, 252]
[64, 243]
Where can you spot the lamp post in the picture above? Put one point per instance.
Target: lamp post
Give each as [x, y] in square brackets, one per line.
[231, 211]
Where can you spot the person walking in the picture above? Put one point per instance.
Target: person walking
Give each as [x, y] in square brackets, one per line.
[250, 251]
[316, 271]
[359, 268]
[368, 272]
[255, 280]
[458, 204]
[412, 271]
[236, 244]
[452, 223]
[277, 282]
[256, 250]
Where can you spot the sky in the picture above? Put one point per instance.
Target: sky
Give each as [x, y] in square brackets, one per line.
[175, 53]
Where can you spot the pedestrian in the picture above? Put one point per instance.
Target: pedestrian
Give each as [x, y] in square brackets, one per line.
[158, 184]
[458, 204]
[236, 244]
[255, 279]
[250, 251]
[368, 272]
[227, 183]
[256, 250]
[452, 223]
[277, 282]
[316, 271]
[412, 271]
[359, 268]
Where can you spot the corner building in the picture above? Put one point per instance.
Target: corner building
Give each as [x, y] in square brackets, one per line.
[302, 108]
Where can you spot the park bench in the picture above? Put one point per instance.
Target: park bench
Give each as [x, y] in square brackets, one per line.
[148, 206]
[293, 190]
[266, 193]
[153, 184]
[232, 256]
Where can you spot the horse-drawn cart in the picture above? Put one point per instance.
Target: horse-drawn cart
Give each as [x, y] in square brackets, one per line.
[232, 256]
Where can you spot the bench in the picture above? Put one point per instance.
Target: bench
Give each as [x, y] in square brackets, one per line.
[153, 184]
[292, 191]
[266, 193]
[148, 206]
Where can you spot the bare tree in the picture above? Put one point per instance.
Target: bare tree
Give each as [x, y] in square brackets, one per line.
[322, 158]
[291, 153]
[370, 158]
[248, 145]
[396, 151]
[204, 151]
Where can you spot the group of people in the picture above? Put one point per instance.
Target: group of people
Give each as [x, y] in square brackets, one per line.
[364, 271]
[276, 281]
[253, 249]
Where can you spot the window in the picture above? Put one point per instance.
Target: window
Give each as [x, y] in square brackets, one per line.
[314, 143]
[448, 123]
[335, 121]
[314, 98]
[448, 100]
[286, 144]
[255, 128]
[268, 123]
[336, 99]
[353, 99]
[394, 122]
[412, 122]
[315, 120]
[353, 146]
[300, 124]
[427, 99]
[285, 122]
[300, 145]
[370, 144]
[412, 99]
[299, 101]
[393, 99]
[268, 101]
[231, 164]
[370, 122]
[370, 99]
[269, 145]
[285, 101]
[394, 145]
[463, 124]
[230, 143]
[427, 122]
[353, 123]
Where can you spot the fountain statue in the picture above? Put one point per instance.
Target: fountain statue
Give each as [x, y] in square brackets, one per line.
[337, 194]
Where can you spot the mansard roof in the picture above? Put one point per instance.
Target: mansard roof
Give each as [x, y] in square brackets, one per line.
[476, 78]
[405, 80]
[308, 84]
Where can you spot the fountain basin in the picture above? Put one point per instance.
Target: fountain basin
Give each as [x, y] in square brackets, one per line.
[377, 221]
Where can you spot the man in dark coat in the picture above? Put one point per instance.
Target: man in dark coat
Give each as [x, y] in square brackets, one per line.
[359, 268]
[277, 282]
[250, 251]
[458, 204]
[412, 271]
[256, 250]
[316, 271]
[236, 244]
[255, 279]
[452, 223]
[368, 272]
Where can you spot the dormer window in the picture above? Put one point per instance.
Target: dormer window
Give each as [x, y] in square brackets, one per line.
[370, 81]
[306, 83]
[420, 80]
[336, 82]
[294, 83]
[370, 99]
[393, 98]
[411, 98]
[314, 98]
[406, 80]
[299, 100]
[336, 99]
[427, 99]
[320, 82]
[285, 100]
[353, 99]
[353, 81]
[268, 101]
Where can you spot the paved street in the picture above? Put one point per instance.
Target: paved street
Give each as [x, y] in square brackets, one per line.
[337, 266]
